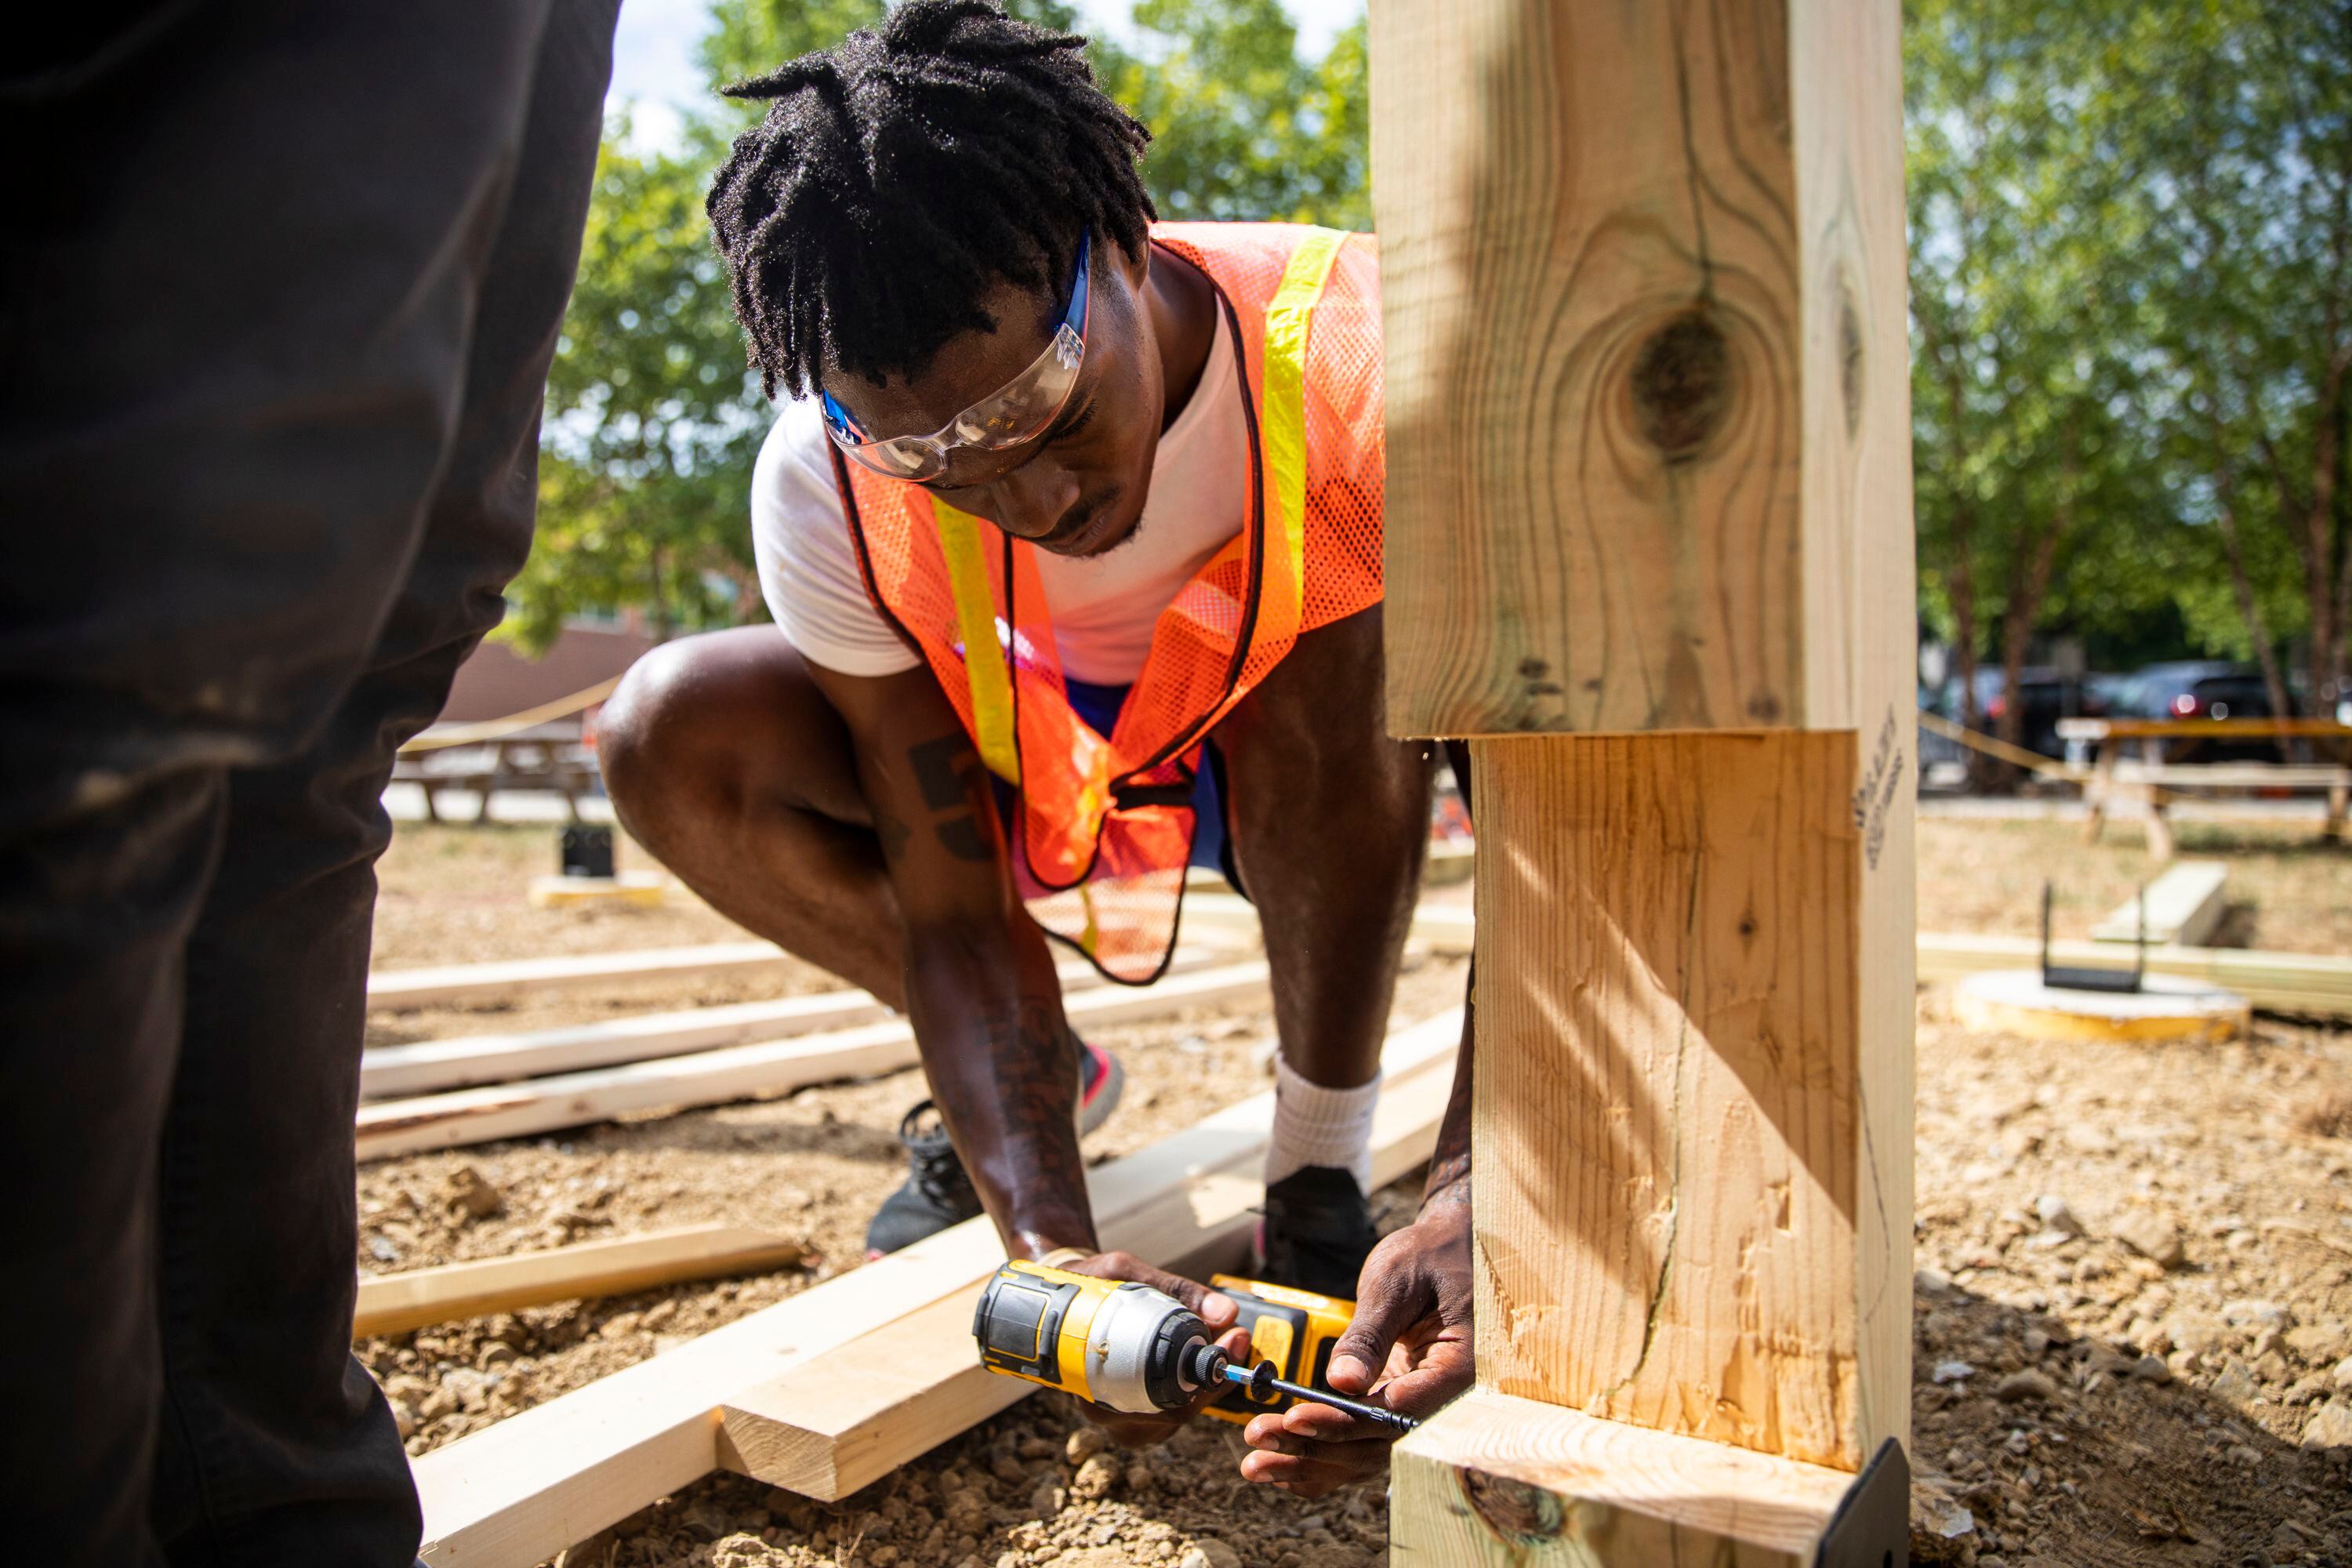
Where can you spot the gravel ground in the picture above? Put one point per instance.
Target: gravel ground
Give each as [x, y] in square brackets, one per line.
[2133, 1313]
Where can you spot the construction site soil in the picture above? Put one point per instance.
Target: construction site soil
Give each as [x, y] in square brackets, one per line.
[2132, 1309]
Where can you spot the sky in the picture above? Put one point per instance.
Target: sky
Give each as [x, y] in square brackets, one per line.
[653, 53]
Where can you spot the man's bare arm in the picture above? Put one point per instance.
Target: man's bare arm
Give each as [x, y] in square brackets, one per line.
[981, 987]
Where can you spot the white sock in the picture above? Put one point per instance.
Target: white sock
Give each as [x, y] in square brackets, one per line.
[1319, 1126]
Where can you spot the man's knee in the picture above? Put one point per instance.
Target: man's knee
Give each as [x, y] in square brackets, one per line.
[711, 723]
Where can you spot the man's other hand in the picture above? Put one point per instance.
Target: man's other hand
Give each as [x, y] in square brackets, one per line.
[1407, 1350]
[1217, 1311]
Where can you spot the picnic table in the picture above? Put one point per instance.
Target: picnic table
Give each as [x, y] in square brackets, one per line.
[546, 757]
[2160, 767]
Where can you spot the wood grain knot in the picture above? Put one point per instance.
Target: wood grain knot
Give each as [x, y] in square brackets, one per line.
[1850, 358]
[1513, 1510]
[1683, 384]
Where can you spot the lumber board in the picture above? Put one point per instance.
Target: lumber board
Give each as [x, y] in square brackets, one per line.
[1643, 282]
[466, 1061]
[1690, 1165]
[2306, 985]
[393, 1303]
[2182, 906]
[516, 1494]
[827, 1428]
[388, 1128]
[1512, 1483]
[476, 985]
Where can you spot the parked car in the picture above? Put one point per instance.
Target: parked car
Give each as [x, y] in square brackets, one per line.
[2048, 696]
[2200, 688]
[2206, 689]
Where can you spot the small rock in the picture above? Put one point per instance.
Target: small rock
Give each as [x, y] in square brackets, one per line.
[1046, 1501]
[498, 1353]
[1208, 1552]
[2151, 1369]
[404, 1419]
[2342, 1376]
[1097, 1478]
[1930, 1281]
[1007, 1469]
[706, 1520]
[2253, 1313]
[2330, 1427]
[2320, 1342]
[2030, 1384]
[2236, 1384]
[2037, 1343]
[2304, 1391]
[1953, 1371]
[2153, 1236]
[1035, 1448]
[1139, 1479]
[659, 1314]
[2057, 1214]
[471, 1389]
[469, 1193]
[1084, 1443]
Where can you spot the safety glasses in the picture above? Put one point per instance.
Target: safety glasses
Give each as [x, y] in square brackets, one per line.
[1018, 411]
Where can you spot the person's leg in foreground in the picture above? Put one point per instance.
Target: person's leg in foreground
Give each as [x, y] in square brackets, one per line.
[276, 316]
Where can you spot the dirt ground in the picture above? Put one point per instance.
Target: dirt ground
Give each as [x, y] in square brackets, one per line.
[2133, 1310]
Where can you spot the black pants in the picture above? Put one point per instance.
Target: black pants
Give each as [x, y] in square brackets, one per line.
[279, 282]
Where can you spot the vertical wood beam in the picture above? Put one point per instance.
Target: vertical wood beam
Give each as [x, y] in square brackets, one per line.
[1649, 510]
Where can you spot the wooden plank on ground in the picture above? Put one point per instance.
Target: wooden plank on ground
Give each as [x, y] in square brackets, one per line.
[393, 1303]
[518, 1492]
[392, 1127]
[467, 1060]
[476, 985]
[1517, 1484]
[827, 1428]
[2306, 985]
[2180, 908]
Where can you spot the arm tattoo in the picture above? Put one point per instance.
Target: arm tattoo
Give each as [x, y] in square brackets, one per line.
[1034, 1061]
[944, 769]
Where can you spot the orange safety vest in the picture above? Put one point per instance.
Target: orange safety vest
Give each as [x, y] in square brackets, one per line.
[1104, 827]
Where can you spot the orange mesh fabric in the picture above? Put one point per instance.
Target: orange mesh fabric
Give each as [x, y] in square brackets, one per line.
[1100, 841]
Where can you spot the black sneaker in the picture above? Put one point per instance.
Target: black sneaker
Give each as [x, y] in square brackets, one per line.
[1317, 1232]
[937, 1193]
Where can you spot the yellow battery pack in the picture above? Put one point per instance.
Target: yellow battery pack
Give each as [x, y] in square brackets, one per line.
[1295, 1330]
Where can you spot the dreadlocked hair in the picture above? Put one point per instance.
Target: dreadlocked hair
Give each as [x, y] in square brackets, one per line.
[901, 173]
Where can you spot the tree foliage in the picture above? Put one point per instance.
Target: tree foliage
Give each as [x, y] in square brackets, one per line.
[2133, 321]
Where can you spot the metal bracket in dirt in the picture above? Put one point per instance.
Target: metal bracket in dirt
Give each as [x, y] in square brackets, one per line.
[1872, 1528]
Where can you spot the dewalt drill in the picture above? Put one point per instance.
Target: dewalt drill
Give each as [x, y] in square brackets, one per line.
[1129, 1347]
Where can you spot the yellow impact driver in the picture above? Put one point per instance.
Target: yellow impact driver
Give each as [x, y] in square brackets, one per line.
[1132, 1348]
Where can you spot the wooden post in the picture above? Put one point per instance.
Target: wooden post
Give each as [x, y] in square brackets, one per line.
[1649, 547]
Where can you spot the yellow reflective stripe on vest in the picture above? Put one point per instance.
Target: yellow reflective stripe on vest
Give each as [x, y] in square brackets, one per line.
[983, 653]
[1283, 426]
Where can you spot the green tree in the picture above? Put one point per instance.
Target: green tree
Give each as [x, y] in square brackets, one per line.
[2236, 118]
[652, 422]
[2024, 452]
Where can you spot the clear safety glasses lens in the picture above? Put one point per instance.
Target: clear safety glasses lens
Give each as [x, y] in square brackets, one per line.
[1018, 411]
